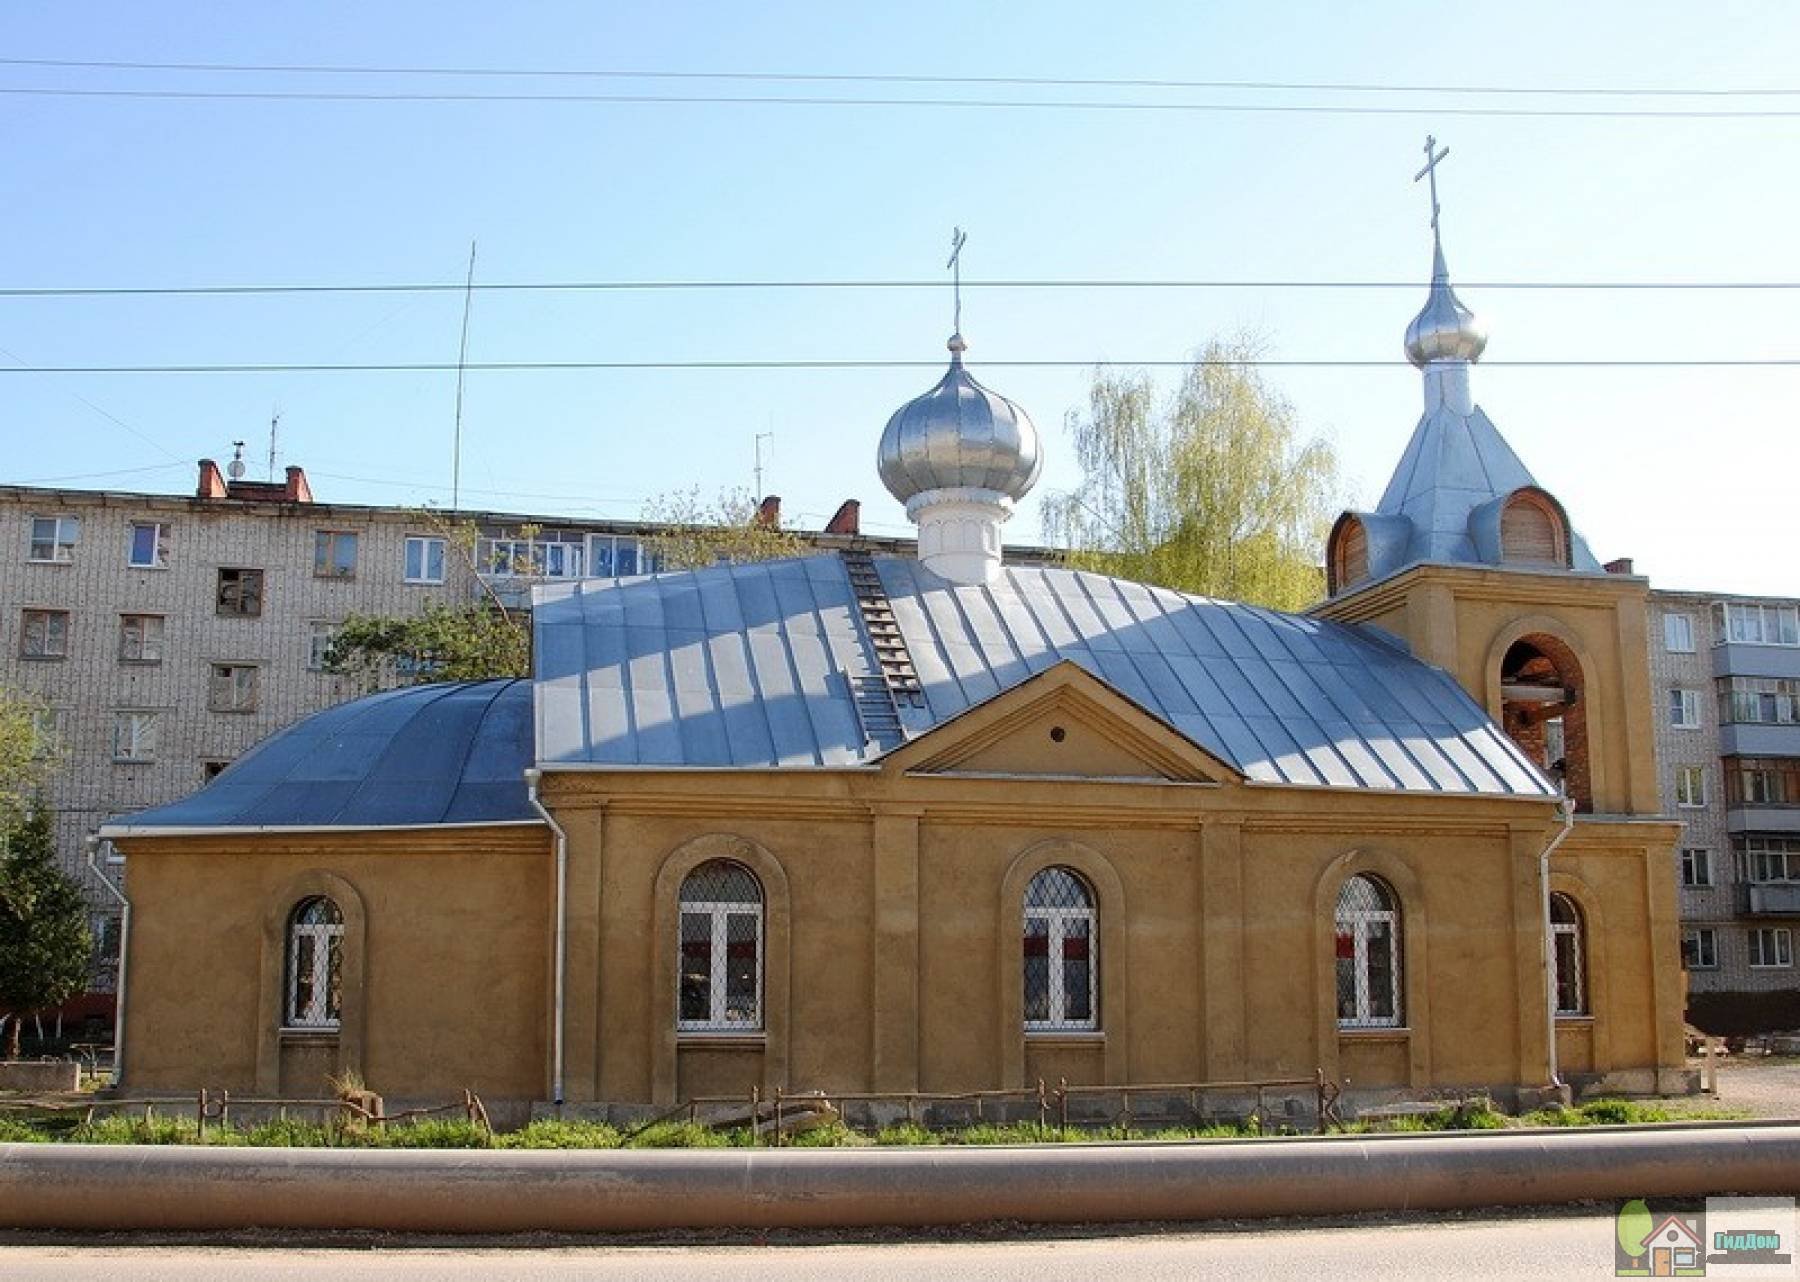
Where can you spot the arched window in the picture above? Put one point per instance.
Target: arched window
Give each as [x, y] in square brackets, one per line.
[720, 967]
[1368, 955]
[1349, 555]
[1059, 958]
[1532, 531]
[1568, 945]
[315, 965]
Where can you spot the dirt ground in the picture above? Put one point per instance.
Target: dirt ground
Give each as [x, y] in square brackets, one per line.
[1760, 1085]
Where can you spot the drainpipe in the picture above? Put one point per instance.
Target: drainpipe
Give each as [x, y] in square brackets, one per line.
[532, 778]
[93, 846]
[1565, 806]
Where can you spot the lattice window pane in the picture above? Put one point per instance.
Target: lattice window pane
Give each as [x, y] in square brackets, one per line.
[721, 949]
[1367, 955]
[741, 939]
[1058, 952]
[1037, 970]
[1078, 1005]
[315, 988]
[1057, 888]
[1346, 975]
[696, 967]
[1381, 970]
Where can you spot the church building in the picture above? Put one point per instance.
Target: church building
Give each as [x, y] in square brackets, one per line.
[871, 823]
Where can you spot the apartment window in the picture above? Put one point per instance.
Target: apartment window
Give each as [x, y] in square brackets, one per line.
[53, 538]
[140, 638]
[1060, 932]
[1762, 781]
[1696, 866]
[1768, 859]
[424, 560]
[318, 646]
[315, 965]
[46, 733]
[240, 592]
[1700, 948]
[1690, 787]
[1757, 624]
[720, 961]
[232, 688]
[1569, 951]
[134, 736]
[1368, 955]
[334, 554]
[148, 546]
[548, 558]
[1678, 633]
[45, 634]
[1759, 700]
[1684, 709]
[1771, 946]
[619, 556]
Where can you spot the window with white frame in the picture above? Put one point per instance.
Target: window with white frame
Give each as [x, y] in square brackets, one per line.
[53, 538]
[1678, 633]
[1568, 947]
[334, 554]
[1700, 948]
[1696, 866]
[1752, 624]
[44, 634]
[141, 638]
[233, 687]
[1060, 962]
[1368, 955]
[315, 965]
[619, 556]
[134, 736]
[1684, 708]
[147, 545]
[318, 645]
[721, 946]
[1771, 946]
[1770, 859]
[1759, 700]
[424, 559]
[1690, 787]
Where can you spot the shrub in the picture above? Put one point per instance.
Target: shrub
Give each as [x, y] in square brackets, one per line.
[137, 1130]
[428, 1133]
[550, 1133]
[907, 1133]
[12, 1132]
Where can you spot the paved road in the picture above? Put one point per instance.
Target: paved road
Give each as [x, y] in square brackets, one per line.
[1561, 1246]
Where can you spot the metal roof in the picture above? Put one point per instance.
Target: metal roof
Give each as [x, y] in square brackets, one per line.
[450, 753]
[757, 666]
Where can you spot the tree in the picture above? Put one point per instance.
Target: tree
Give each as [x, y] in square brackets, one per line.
[45, 946]
[440, 643]
[26, 755]
[1210, 491]
[1633, 1226]
[695, 534]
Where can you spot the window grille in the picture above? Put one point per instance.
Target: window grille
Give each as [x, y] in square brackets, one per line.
[1569, 950]
[1368, 955]
[1059, 953]
[721, 944]
[315, 965]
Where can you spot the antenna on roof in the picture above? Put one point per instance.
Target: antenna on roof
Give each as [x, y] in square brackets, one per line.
[462, 359]
[274, 426]
[235, 468]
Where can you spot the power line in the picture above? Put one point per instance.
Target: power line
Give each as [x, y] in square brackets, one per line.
[1007, 104]
[440, 367]
[648, 286]
[772, 77]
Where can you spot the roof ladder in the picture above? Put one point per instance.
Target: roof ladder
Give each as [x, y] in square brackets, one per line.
[879, 695]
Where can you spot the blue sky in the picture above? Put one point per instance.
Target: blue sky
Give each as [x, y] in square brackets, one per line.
[1690, 471]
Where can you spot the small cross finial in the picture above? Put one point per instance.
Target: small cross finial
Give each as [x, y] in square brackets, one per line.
[1433, 155]
[958, 238]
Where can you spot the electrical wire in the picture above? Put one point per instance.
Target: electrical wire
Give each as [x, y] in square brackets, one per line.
[1065, 82]
[441, 367]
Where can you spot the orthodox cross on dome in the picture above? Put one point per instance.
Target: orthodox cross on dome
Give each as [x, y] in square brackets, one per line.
[958, 238]
[1433, 154]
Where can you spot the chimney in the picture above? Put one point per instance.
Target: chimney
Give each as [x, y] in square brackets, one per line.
[298, 491]
[1620, 566]
[212, 481]
[847, 519]
[768, 512]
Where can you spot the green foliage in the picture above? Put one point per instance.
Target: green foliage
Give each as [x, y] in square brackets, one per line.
[1600, 1112]
[1010, 1133]
[440, 643]
[679, 1135]
[1211, 491]
[46, 949]
[907, 1133]
[428, 1132]
[553, 1134]
[120, 1129]
[12, 1132]
[696, 534]
[288, 1132]
[26, 756]
[1633, 1227]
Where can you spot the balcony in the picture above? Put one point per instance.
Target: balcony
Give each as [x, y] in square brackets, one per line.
[1741, 659]
[1771, 899]
[1759, 739]
[509, 567]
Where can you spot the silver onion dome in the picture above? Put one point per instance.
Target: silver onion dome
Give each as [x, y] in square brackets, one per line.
[1444, 330]
[960, 435]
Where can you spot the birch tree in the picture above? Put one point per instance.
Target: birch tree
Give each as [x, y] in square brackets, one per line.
[1212, 489]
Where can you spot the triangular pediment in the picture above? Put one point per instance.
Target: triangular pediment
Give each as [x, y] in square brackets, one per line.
[1063, 723]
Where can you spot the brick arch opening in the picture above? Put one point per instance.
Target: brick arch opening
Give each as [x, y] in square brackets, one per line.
[1543, 710]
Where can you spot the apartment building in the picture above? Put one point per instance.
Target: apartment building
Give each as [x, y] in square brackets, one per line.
[166, 634]
[1726, 673]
